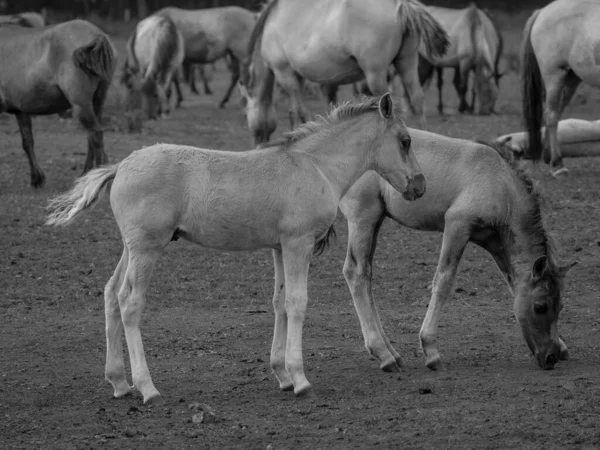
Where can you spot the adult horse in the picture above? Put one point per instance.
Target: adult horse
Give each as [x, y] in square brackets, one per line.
[561, 48]
[476, 45]
[211, 34]
[475, 193]
[26, 19]
[334, 42]
[155, 52]
[49, 70]
[284, 197]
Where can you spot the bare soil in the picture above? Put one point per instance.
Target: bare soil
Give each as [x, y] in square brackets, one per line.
[208, 322]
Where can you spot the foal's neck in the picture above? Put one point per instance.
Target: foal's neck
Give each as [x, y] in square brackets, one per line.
[341, 153]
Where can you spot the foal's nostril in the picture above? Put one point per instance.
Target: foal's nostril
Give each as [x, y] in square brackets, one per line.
[419, 185]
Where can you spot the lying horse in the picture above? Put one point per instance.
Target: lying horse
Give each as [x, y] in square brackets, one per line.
[317, 41]
[476, 45]
[560, 50]
[49, 70]
[154, 55]
[474, 194]
[283, 197]
[211, 34]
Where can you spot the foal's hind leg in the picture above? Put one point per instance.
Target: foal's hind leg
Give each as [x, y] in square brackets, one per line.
[132, 297]
[115, 368]
[456, 237]
[362, 239]
[560, 88]
[37, 176]
[280, 328]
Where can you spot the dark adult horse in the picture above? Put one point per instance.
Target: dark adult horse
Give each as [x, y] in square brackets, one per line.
[49, 70]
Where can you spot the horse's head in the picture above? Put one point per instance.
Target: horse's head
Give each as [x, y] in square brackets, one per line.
[394, 158]
[486, 88]
[260, 113]
[537, 306]
[142, 92]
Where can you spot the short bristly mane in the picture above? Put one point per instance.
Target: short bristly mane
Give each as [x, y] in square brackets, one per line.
[344, 111]
[533, 224]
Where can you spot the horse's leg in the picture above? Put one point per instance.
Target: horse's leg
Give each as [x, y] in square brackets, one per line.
[461, 83]
[85, 114]
[330, 92]
[98, 100]
[362, 240]
[456, 237]
[115, 367]
[292, 85]
[560, 88]
[296, 260]
[37, 176]
[132, 297]
[407, 67]
[188, 73]
[202, 74]
[440, 87]
[280, 329]
[234, 67]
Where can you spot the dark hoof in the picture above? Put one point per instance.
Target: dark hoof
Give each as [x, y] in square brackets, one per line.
[391, 366]
[37, 181]
[157, 400]
[564, 355]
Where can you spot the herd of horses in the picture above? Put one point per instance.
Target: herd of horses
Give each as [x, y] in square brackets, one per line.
[359, 158]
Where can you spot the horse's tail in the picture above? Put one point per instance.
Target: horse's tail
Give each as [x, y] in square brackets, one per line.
[414, 18]
[64, 208]
[533, 93]
[478, 39]
[131, 62]
[322, 243]
[96, 58]
[168, 53]
[499, 45]
[253, 41]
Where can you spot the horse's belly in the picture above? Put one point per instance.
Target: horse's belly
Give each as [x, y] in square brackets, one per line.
[224, 235]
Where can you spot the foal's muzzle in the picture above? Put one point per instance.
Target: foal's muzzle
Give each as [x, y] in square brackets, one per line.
[415, 187]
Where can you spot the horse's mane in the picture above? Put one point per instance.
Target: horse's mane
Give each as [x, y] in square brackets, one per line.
[534, 224]
[344, 111]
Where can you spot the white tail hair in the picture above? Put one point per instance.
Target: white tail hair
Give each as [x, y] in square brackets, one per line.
[64, 208]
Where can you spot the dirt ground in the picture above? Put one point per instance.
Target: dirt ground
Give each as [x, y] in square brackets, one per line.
[208, 323]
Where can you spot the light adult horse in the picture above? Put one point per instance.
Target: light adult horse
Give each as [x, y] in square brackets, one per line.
[49, 70]
[25, 19]
[317, 41]
[474, 194]
[283, 197]
[211, 34]
[155, 53]
[476, 46]
[561, 48]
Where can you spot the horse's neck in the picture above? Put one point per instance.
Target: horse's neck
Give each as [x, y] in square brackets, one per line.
[340, 153]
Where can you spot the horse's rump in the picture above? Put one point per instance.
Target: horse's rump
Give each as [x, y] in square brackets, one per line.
[165, 42]
[96, 58]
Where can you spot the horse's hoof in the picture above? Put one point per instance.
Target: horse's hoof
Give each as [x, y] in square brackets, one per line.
[434, 363]
[221, 105]
[157, 400]
[38, 181]
[564, 355]
[286, 386]
[560, 172]
[390, 366]
[304, 391]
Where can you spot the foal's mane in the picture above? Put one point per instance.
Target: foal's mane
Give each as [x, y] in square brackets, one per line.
[533, 224]
[344, 111]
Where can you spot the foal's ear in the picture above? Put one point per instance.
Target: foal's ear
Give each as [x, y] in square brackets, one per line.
[540, 267]
[386, 106]
[564, 269]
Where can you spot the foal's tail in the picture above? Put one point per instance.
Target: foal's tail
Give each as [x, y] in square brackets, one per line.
[87, 189]
[96, 58]
[533, 93]
[414, 18]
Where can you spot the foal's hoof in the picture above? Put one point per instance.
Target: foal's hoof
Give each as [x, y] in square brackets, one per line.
[390, 366]
[559, 172]
[304, 391]
[286, 386]
[122, 393]
[157, 400]
[434, 363]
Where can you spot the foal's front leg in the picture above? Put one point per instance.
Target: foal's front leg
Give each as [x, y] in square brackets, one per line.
[280, 329]
[362, 238]
[456, 237]
[296, 261]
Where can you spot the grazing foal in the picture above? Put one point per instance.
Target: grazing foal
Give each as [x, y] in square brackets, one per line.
[474, 194]
[283, 197]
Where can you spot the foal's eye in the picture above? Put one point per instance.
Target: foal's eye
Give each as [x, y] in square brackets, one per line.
[540, 308]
